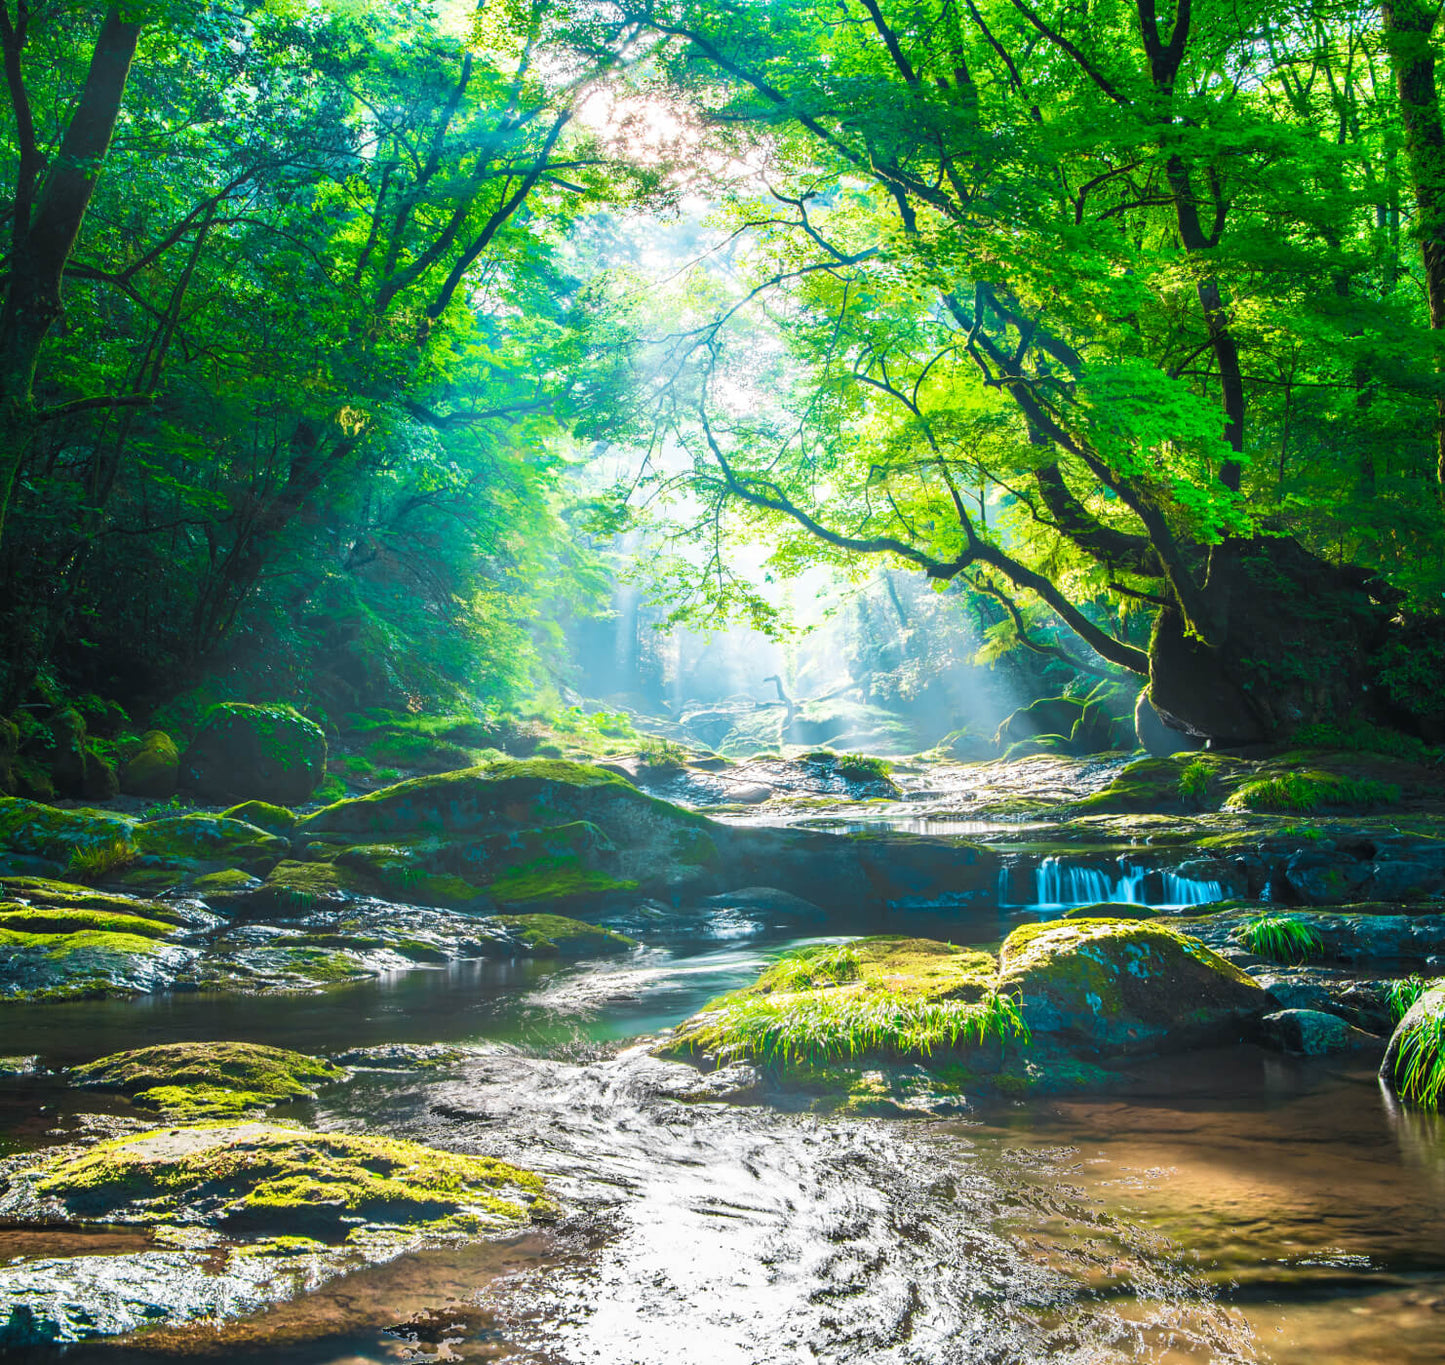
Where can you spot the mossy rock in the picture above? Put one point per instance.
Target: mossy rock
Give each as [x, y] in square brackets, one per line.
[209, 837]
[257, 1177]
[31, 827]
[1115, 987]
[42, 891]
[48, 920]
[87, 963]
[264, 753]
[293, 888]
[227, 880]
[509, 793]
[208, 1080]
[554, 880]
[557, 936]
[264, 815]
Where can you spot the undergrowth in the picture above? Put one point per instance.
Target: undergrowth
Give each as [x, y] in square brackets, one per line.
[1283, 938]
[1402, 994]
[1420, 1062]
[1360, 736]
[1194, 780]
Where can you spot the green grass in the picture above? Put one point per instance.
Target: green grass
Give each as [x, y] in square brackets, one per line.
[1283, 938]
[177, 805]
[1194, 780]
[1305, 792]
[863, 766]
[1420, 1063]
[1402, 994]
[100, 860]
[662, 753]
[813, 969]
[837, 1026]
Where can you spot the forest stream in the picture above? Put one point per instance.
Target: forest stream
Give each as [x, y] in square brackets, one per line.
[1235, 1205]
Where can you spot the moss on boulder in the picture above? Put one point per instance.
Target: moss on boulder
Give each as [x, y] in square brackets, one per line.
[245, 752]
[208, 837]
[293, 888]
[1414, 1065]
[154, 769]
[34, 828]
[26, 919]
[264, 815]
[208, 1080]
[263, 1177]
[1115, 987]
[557, 936]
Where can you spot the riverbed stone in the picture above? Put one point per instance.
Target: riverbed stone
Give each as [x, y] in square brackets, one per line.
[246, 752]
[1312, 1033]
[1120, 987]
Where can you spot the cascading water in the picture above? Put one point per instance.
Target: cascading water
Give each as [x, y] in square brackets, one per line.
[1062, 884]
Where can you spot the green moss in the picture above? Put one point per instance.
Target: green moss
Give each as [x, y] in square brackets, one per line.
[331, 789]
[203, 1080]
[555, 935]
[35, 828]
[228, 879]
[53, 920]
[553, 879]
[263, 815]
[264, 1176]
[44, 891]
[299, 886]
[697, 848]
[59, 946]
[206, 836]
[153, 769]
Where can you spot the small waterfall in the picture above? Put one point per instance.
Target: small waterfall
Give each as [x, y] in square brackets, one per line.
[1063, 884]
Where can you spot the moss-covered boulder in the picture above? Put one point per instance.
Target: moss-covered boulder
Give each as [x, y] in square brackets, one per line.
[154, 769]
[9, 751]
[1414, 1065]
[294, 888]
[265, 753]
[558, 936]
[40, 830]
[533, 830]
[208, 838]
[43, 891]
[264, 815]
[208, 1080]
[1115, 987]
[78, 962]
[262, 1177]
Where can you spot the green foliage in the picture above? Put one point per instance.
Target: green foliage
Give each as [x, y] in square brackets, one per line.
[863, 766]
[1305, 792]
[1403, 992]
[1282, 938]
[837, 1026]
[1420, 1061]
[161, 810]
[1194, 780]
[662, 753]
[97, 861]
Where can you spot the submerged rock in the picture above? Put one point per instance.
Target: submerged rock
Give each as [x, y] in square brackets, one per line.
[1119, 987]
[263, 753]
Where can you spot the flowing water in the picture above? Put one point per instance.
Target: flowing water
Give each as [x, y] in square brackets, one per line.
[1231, 1207]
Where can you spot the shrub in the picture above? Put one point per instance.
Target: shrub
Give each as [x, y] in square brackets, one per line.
[1283, 938]
[863, 766]
[100, 860]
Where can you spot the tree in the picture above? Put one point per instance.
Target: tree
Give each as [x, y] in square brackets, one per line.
[1049, 288]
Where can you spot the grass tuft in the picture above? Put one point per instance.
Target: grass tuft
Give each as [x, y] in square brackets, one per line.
[1420, 1062]
[1304, 792]
[100, 860]
[1194, 780]
[1283, 938]
[1402, 994]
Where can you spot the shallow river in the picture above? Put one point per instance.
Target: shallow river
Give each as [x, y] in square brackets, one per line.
[1234, 1206]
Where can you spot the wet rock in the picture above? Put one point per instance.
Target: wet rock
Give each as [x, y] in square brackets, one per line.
[89, 962]
[236, 1196]
[264, 815]
[558, 936]
[766, 900]
[154, 769]
[1116, 987]
[20, 1066]
[34, 828]
[293, 888]
[401, 1056]
[264, 753]
[1312, 1033]
[209, 838]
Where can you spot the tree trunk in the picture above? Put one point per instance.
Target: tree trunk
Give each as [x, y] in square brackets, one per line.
[43, 245]
[1409, 27]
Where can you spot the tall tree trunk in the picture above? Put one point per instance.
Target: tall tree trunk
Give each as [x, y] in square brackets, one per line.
[1409, 28]
[42, 245]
